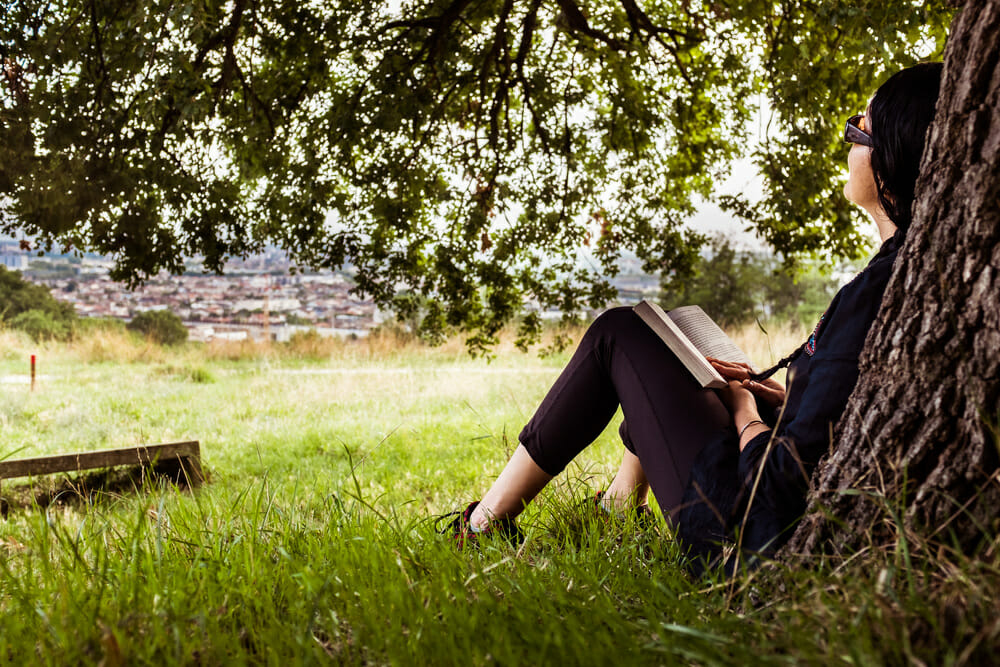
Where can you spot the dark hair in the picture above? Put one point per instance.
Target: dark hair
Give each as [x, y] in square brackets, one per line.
[901, 111]
[763, 375]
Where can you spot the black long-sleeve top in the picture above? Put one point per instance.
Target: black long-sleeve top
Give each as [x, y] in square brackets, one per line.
[818, 385]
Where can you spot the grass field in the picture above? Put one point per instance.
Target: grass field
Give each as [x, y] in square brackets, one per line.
[313, 540]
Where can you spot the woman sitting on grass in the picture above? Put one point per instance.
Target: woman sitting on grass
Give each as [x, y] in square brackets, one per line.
[702, 450]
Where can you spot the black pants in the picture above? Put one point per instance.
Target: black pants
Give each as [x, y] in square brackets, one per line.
[668, 417]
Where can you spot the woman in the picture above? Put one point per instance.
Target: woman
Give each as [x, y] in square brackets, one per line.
[706, 452]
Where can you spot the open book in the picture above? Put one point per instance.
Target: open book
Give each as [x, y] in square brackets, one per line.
[692, 336]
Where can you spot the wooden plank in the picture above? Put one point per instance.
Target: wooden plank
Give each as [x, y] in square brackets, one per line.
[188, 454]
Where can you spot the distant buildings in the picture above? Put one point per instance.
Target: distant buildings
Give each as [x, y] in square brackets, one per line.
[251, 302]
[12, 257]
[259, 297]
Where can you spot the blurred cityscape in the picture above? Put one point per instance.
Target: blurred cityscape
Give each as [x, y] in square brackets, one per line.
[258, 298]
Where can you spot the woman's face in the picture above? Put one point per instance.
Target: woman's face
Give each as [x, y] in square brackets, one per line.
[860, 187]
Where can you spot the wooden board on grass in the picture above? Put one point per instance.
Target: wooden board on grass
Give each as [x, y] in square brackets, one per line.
[186, 454]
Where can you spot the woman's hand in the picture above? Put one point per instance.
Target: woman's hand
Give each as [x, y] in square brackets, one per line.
[739, 401]
[770, 391]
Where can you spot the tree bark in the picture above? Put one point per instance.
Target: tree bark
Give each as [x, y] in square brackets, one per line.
[916, 449]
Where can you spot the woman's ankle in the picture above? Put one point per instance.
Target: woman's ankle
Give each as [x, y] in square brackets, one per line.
[629, 488]
[613, 499]
[480, 518]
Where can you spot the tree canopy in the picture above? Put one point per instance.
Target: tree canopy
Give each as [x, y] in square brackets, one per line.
[463, 156]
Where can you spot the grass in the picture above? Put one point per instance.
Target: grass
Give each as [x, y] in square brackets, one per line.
[313, 541]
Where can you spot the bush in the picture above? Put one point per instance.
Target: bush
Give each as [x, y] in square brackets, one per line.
[188, 372]
[33, 309]
[41, 325]
[160, 326]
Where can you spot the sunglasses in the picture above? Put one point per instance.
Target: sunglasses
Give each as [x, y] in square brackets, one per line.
[854, 131]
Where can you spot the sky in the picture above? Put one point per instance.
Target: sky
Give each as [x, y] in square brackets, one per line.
[710, 219]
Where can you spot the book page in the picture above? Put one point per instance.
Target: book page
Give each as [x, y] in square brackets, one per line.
[706, 335]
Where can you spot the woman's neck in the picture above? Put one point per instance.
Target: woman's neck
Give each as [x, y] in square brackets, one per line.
[886, 227]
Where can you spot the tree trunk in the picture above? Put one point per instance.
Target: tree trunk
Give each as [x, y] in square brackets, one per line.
[918, 443]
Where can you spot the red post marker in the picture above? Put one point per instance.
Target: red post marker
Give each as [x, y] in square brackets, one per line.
[32, 372]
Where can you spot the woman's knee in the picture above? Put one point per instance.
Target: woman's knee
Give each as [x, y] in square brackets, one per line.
[626, 437]
[616, 321]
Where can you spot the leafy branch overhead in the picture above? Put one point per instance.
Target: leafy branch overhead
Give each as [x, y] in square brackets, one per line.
[462, 155]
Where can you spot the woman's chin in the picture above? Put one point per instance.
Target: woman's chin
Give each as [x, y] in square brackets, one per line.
[847, 193]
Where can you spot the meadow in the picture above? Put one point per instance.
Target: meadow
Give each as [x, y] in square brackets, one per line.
[314, 539]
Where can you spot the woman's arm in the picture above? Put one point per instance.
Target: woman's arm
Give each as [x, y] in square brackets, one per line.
[785, 463]
[742, 405]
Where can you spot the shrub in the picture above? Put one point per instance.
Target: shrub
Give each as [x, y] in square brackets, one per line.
[160, 326]
[188, 372]
[200, 375]
[41, 325]
[51, 318]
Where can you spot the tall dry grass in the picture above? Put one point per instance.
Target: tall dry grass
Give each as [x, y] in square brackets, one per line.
[380, 344]
[95, 346]
[103, 345]
[765, 345]
[12, 343]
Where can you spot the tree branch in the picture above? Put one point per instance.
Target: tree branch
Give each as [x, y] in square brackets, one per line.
[576, 21]
[641, 22]
[224, 37]
[439, 26]
[523, 49]
[14, 75]
[500, 53]
[95, 31]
